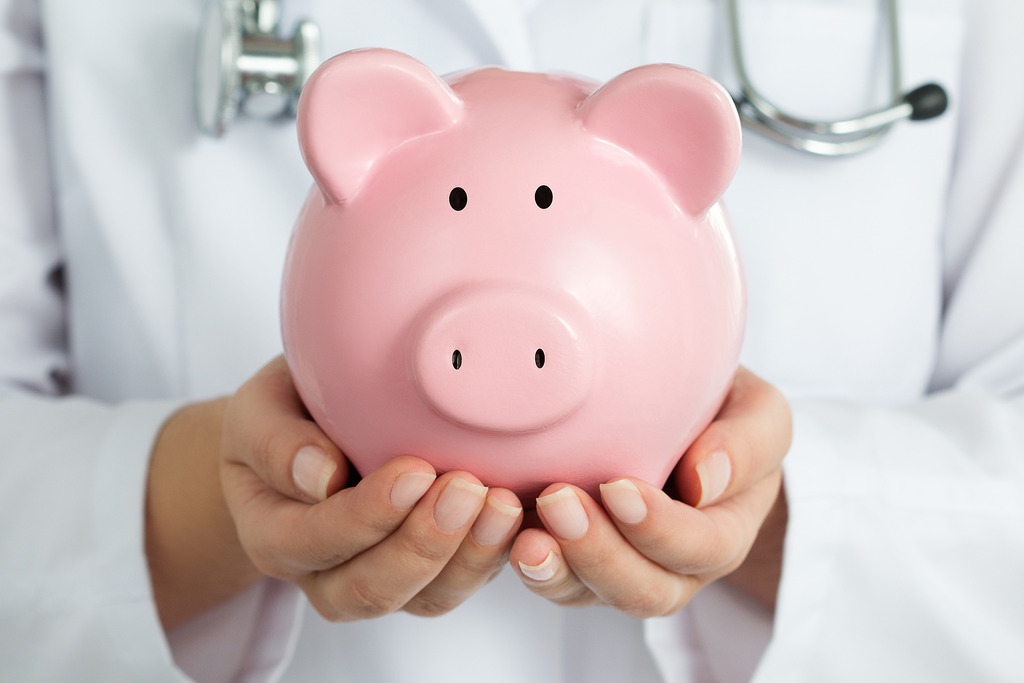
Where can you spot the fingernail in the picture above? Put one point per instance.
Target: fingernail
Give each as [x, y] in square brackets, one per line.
[564, 514]
[494, 522]
[714, 473]
[312, 469]
[623, 499]
[409, 488]
[458, 503]
[543, 571]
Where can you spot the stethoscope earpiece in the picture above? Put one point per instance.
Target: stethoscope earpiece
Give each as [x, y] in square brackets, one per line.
[241, 64]
[927, 101]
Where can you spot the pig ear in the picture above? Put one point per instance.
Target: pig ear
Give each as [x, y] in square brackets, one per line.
[677, 121]
[361, 104]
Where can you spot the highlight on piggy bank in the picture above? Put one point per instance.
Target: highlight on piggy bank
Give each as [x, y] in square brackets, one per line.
[519, 275]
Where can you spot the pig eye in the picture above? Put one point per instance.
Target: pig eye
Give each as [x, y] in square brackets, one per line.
[457, 359]
[458, 199]
[543, 196]
[538, 358]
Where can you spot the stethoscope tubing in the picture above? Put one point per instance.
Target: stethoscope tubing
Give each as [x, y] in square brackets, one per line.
[831, 138]
[242, 65]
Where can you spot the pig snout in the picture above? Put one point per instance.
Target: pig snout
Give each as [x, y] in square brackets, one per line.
[503, 359]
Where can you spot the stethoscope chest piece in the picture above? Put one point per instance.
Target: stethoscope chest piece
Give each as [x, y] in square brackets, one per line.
[242, 64]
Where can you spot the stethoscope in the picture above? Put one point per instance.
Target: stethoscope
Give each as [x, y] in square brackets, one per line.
[244, 66]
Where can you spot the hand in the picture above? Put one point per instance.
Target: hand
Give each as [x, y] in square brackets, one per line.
[402, 538]
[646, 553]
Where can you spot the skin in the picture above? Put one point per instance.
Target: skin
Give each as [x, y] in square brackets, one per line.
[654, 566]
[224, 510]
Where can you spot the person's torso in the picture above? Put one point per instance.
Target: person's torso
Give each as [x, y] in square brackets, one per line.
[175, 241]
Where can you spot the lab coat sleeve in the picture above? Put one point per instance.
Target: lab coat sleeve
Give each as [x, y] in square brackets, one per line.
[75, 596]
[905, 547]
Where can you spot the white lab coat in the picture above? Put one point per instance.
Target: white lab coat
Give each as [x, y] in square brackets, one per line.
[885, 300]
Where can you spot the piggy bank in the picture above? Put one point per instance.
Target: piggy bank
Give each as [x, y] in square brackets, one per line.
[518, 275]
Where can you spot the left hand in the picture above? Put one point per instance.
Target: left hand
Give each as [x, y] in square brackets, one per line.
[646, 553]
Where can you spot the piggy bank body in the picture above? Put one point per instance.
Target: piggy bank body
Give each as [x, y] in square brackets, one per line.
[514, 274]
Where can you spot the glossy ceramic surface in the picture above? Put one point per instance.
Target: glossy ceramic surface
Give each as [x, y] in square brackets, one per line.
[514, 274]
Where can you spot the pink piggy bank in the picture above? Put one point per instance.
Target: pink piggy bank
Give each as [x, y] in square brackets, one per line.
[514, 274]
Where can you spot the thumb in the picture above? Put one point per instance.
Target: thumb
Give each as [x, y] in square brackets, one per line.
[745, 443]
[267, 429]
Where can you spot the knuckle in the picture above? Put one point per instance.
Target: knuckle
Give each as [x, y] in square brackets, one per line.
[260, 449]
[731, 566]
[336, 614]
[328, 611]
[370, 519]
[319, 593]
[771, 400]
[317, 554]
[265, 565]
[479, 565]
[571, 593]
[710, 556]
[649, 601]
[270, 454]
[565, 589]
[786, 413]
[775, 395]
[432, 605]
[262, 555]
[424, 549]
[365, 600]
[594, 562]
[703, 556]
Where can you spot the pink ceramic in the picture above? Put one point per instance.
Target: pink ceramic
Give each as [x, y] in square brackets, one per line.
[514, 274]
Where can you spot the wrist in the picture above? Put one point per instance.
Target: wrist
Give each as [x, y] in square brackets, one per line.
[194, 556]
[761, 572]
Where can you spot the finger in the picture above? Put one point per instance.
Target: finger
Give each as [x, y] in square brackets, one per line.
[286, 538]
[537, 558]
[705, 543]
[480, 557]
[603, 561]
[743, 444]
[267, 428]
[382, 579]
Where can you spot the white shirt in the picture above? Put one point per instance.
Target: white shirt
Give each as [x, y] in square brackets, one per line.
[885, 300]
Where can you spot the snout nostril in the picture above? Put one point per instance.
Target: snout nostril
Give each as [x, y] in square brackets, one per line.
[538, 358]
[456, 359]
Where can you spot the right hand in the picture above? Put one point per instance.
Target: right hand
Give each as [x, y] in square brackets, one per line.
[402, 538]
